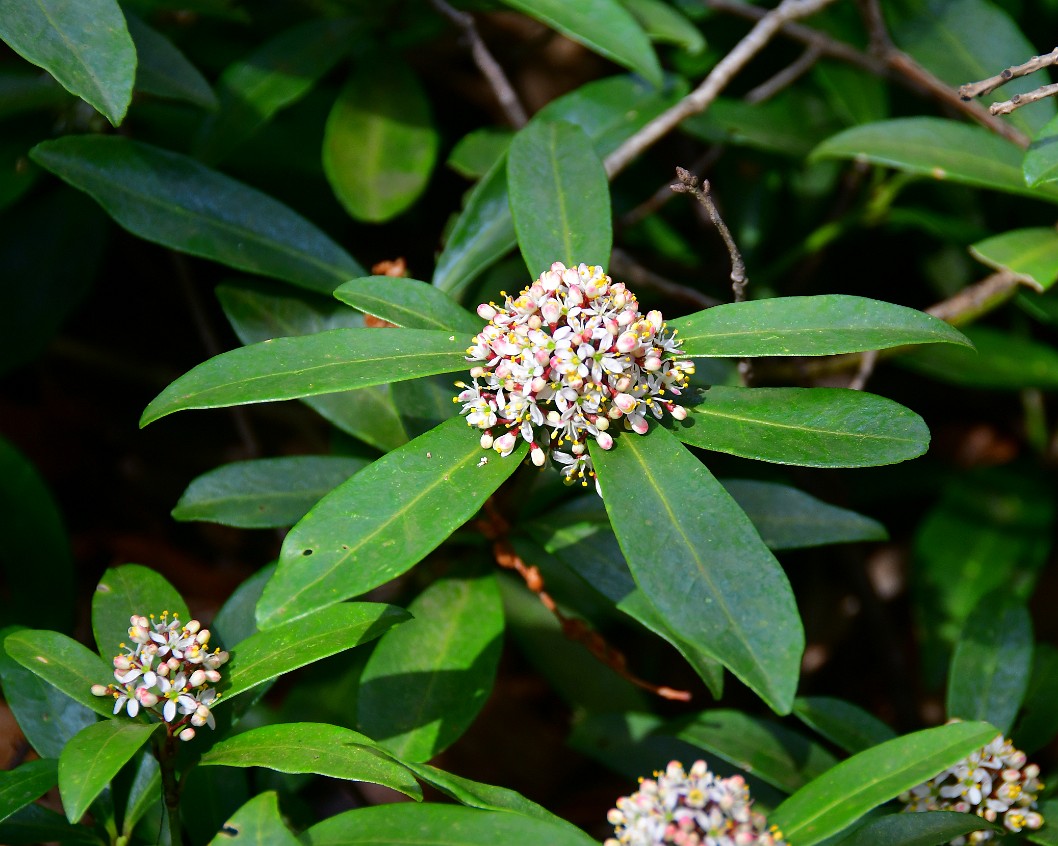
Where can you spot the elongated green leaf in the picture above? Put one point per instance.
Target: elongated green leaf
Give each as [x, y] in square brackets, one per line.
[939, 149]
[275, 75]
[173, 200]
[811, 427]
[842, 723]
[93, 757]
[930, 828]
[35, 824]
[408, 303]
[559, 197]
[267, 655]
[425, 682]
[1002, 361]
[314, 748]
[1041, 159]
[265, 492]
[772, 752]
[384, 520]
[25, 783]
[1038, 723]
[847, 791]
[700, 562]
[236, 620]
[288, 368]
[822, 325]
[145, 792]
[256, 823]
[990, 668]
[127, 590]
[379, 146]
[84, 45]
[439, 825]
[63, 663]
[164, 71]
[1032, 254]
[603, 26]
[664, 24]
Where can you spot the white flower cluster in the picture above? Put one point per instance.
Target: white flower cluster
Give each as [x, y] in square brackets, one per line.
[168, 671]
[690, 809]
[559, 362]
[995, 782]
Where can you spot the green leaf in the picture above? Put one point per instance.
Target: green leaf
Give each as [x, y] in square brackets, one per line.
[712, 577]
[930, 828]
[63, 663]
[821, 325]
[145, 792]
[439, 825]
[847, 791]
[34, 825]
[173, 200]
[809, 427]
[164, 71]
[306, 365]
[384, 520]
[255, 823]
[26, 783]
[1041, 159]
[84, 45]
[1031, 254]
[603, 26]
[236, 620]
[1048, 835]
[127, 590]
[1039, 718]
[1002, 362]
[314, 748]
[664, 24]
[842, 723]
[93, 757]
[478, 151]
[787, 518]
[275, 75]
[426, 681]
[408, 303]
[559, 196]
[266, 492]
[990, 668]
[267, 655]
[855, 95]
[782, 757]
[379, 145]
[939, 149]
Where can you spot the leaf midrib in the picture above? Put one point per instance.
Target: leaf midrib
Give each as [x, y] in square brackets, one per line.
[764, 422]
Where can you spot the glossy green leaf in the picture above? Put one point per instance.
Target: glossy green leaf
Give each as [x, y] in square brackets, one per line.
[856, 96]
[939, 149]
[127, 590]
[847, 791]
[478, 151]
[426, 681]
[265, 492]
[314, 748]
[35, 824]
[811, 427]
[267, 655]
[93, 757]
[84, 45]
[256, 823]
[384, 520]
[305, 365]
[379, 145]
[603, 26]
[173, 200]
[665, 24]
[1041, 159]
[164, 71]
[710, 576]
[63, 663]
[275, 75]
[145, 792]
[559, 196]
[1038, 723]
[236, 619]
[1002, 361]
[931, 828]
[25, 783]
[1031, 254]
[842, 723]
[778, 755]
[438, 825]
[990, 668]
[408, 303]
[820, 325]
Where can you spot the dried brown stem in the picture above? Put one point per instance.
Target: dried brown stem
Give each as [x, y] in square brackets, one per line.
[986, 86]
[643, 278]
[786, 77]
[1005, 107]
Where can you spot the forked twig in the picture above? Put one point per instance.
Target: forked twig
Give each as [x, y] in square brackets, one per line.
[986, 86]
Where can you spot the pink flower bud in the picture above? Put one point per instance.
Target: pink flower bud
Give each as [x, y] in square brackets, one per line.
[538, 456]
[486, 440]
[100, 690]
[146, 698]
[604, 440]
[213, 676]
[625, 402]
[198, 678]
[486, 311]
[187, 734]
[678, 412]
[627, 342]
[652, 363]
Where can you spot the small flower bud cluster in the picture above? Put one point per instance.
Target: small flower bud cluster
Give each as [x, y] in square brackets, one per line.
[168, 671]
[690, 809]
[564, 359]
[995, 782]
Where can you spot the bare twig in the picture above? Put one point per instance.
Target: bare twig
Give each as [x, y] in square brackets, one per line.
[643, 278]
[664, 193]
[699, 99]
[977, 299]
[1018, 100]
[489, 67]
[787, 76]
[866, 368]
[986, 86]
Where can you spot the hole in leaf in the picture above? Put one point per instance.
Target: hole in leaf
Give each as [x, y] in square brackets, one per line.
[307, 552]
